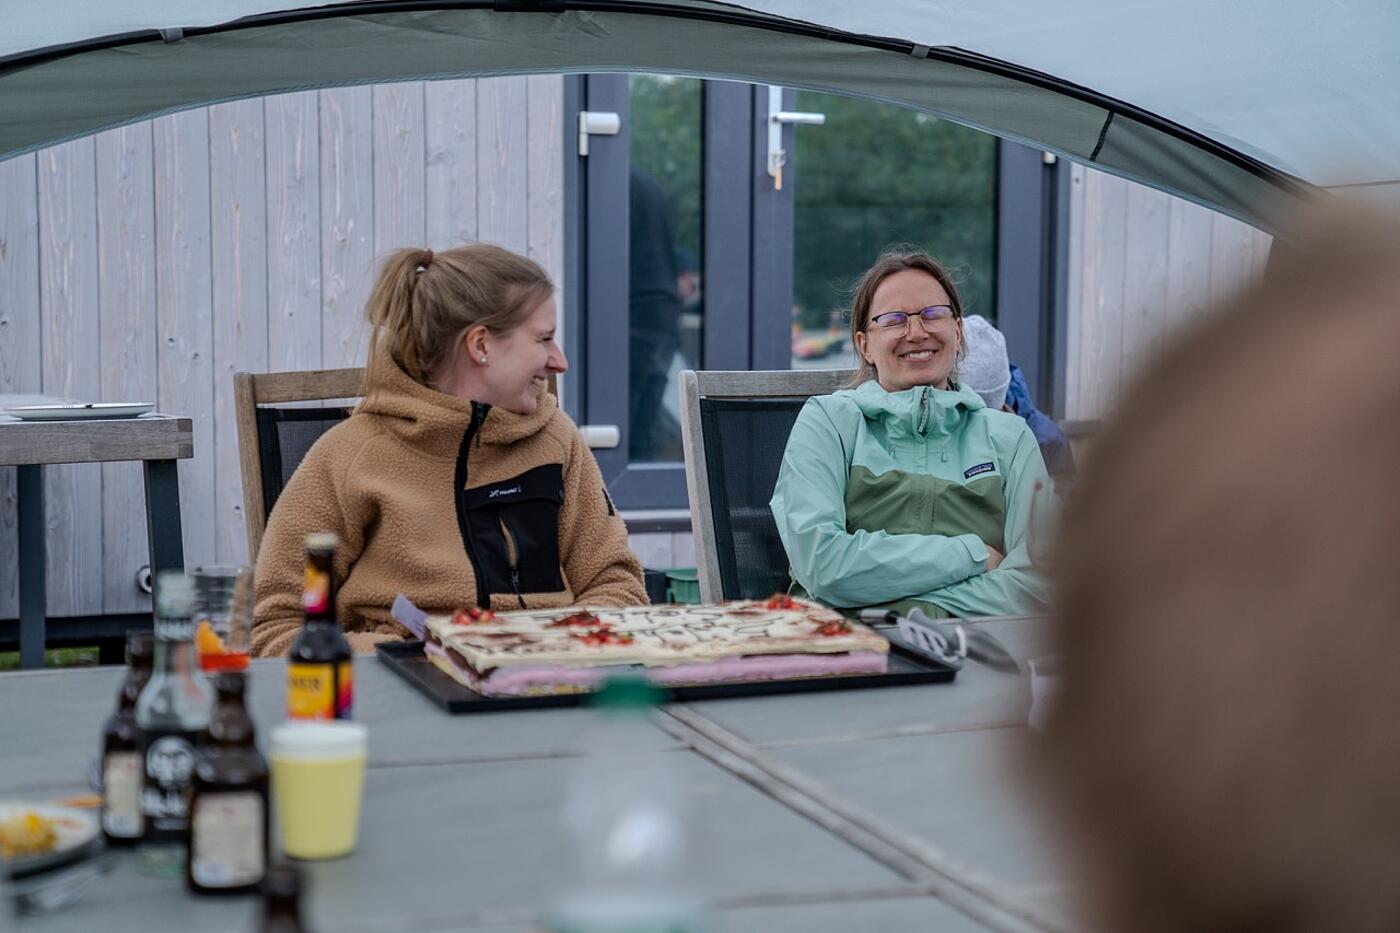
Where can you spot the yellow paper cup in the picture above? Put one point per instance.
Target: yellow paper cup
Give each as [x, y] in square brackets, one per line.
[318, 778]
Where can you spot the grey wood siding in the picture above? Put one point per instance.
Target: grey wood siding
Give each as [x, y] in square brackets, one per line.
[154, 261]
[1142, 265]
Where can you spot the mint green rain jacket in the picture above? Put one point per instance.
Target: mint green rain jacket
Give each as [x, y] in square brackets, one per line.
[891, 498]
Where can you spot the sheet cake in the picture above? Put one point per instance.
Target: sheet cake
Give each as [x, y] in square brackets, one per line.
[571, 650]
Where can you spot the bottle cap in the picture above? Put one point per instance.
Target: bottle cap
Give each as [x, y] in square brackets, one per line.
[321, 541]
[140, 647]
[174, 593]
[231, 683]
[626, 692]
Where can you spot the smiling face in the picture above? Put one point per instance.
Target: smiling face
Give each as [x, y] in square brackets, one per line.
[911, 355]
[508, 370]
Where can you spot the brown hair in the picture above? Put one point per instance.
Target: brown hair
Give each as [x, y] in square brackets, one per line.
[1222, 747]
[423, 301]
[891, 261]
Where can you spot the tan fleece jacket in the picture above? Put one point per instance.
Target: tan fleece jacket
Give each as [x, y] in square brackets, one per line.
[534, 518]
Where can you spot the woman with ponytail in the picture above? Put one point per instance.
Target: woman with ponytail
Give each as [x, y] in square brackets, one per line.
[457, 481]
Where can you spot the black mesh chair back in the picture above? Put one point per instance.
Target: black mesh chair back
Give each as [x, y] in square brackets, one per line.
[284, 437]
[744, 444]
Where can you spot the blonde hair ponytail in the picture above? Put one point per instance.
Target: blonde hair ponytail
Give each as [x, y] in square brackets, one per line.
[423, 302]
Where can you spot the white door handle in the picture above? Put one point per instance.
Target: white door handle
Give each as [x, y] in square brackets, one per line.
[777, 119]
[596, 123]
[600, 436]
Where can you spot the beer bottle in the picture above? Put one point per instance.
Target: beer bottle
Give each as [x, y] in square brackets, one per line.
[282, 900]
[121, 748]
[171, 714]
[228, 806]
[320, 676]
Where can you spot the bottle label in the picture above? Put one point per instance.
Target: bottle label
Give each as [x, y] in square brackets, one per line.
[320, 691]
[316, 591]
[165, 790]
[227, 848]
[121, 795]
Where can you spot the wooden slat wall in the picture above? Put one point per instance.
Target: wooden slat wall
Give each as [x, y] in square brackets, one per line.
[20, 342]
[126, 284]
[1142, 264]
[154, 261]
[185, 308]
[68, 309]
[347, 223]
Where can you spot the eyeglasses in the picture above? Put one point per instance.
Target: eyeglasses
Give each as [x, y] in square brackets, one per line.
[929, 317]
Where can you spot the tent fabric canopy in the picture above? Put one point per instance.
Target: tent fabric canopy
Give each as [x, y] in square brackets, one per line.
[1242, 106]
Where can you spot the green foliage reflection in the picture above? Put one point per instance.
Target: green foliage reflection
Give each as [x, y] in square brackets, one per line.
[877, 175]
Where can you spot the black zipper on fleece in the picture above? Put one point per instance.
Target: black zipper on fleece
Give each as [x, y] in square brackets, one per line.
[479, 411]
[513, 556]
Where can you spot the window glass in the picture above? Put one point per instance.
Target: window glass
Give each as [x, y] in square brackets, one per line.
[874, 176]
[666, 311]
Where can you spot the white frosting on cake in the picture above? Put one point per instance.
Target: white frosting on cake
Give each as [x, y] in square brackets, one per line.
[651, 636]
[559, 678]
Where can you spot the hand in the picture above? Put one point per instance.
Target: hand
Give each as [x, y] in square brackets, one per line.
[994, 558]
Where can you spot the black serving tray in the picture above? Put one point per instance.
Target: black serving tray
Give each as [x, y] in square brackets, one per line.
[406, 659]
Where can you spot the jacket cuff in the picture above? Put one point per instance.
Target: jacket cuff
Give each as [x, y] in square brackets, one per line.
[976, 549]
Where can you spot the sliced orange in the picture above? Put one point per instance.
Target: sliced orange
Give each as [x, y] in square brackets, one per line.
[207, 641]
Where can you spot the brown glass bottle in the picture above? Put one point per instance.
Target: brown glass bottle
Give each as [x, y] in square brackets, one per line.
[121, 766]
[282, 900]
[228, 806]
[320, 666]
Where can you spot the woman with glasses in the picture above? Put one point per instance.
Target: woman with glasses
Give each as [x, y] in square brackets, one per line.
[904, 489]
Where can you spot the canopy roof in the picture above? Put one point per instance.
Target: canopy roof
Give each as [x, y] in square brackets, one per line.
[1243, 106]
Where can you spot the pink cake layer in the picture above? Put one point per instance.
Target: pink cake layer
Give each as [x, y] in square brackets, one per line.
[558, 678]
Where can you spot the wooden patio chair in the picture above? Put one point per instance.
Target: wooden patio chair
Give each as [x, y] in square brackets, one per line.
[274, 436]
[734, 429]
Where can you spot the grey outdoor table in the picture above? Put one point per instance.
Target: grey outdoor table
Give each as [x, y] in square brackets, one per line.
[157, 440]
[825, 820]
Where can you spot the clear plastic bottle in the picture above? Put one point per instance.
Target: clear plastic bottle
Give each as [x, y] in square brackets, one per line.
[171, 714]
[624, 817]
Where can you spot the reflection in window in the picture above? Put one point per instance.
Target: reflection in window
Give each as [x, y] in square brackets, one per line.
[665, 312]
[875, 176]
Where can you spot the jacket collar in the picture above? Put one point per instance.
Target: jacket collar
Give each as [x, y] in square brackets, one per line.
[433, 422]
[922, 410]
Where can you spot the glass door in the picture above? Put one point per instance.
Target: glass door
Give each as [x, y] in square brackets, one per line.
[665, 247]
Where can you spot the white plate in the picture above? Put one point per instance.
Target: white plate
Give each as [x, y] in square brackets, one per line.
[79, 410]
[75, 829]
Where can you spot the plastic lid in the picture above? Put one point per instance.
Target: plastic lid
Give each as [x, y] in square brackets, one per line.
[684, 574]
[314, 741]
[626, 692]
[321, 540]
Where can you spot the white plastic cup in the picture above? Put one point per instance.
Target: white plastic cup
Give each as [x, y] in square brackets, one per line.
[318, 777]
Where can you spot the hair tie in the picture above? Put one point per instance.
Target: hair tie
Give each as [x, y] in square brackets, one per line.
[426, 261]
